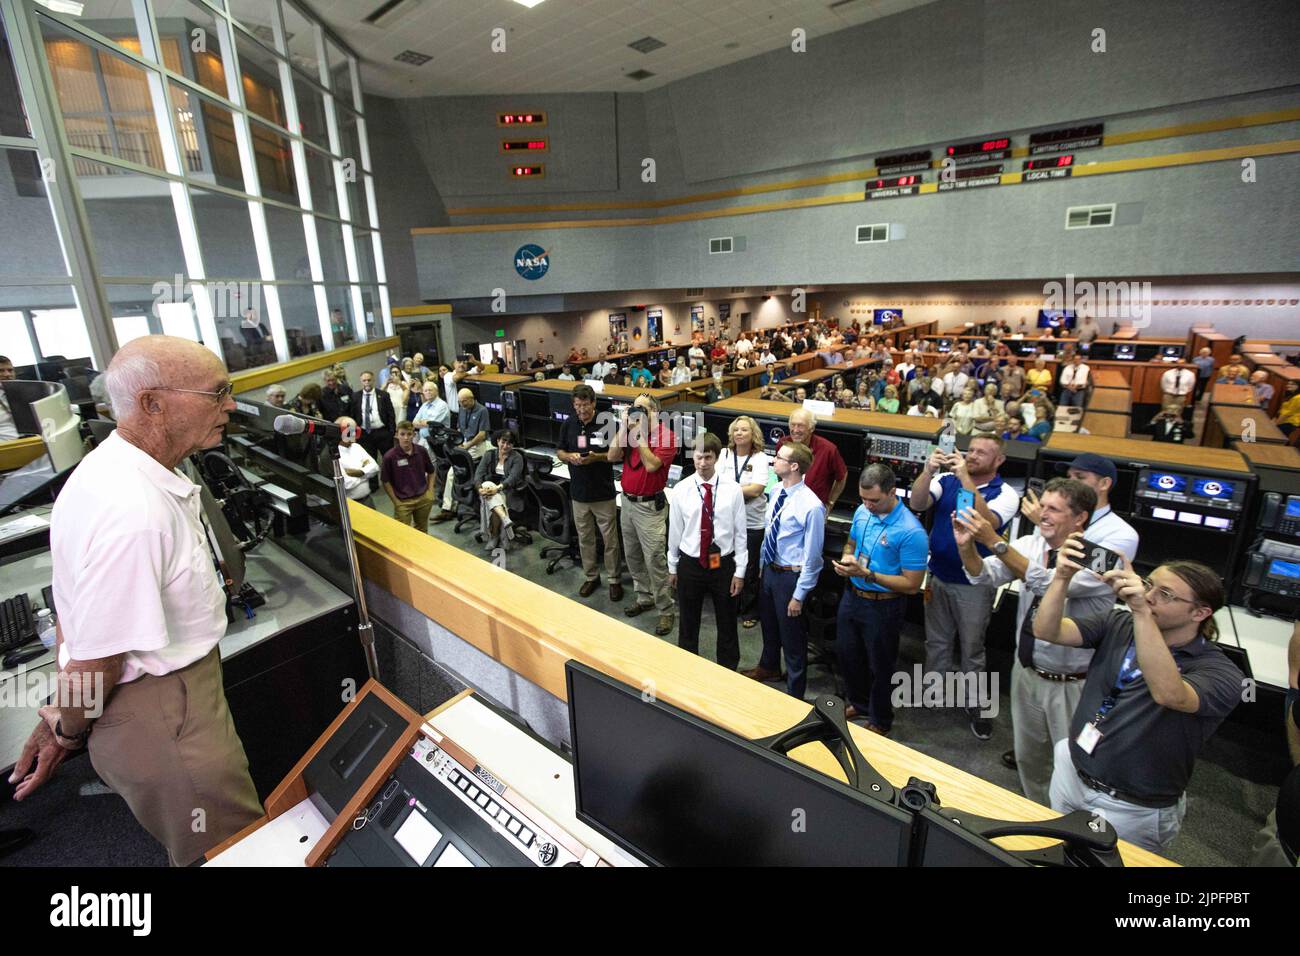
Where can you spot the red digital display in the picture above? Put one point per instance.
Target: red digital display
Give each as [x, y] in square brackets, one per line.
[521, 119]
[1056, 162]
[895, 181]
[512, 145]
[983, 146]
[525, 170]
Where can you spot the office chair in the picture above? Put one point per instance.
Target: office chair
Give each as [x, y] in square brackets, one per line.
[821, 611]
[554, 517]
[441, 438]
[463, 491]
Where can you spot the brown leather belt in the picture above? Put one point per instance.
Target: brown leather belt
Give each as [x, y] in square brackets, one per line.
[784, 567]
[1060, 678]
[874, 595]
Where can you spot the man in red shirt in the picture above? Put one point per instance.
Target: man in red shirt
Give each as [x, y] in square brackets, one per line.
[718, 354]
[647, 448]
[828, 473]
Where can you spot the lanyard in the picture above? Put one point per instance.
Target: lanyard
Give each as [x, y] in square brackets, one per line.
[735, 464]
[1128, 673]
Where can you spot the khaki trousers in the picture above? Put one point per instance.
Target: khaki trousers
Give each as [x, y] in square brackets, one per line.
[415, 511]
[645, 543]
[167, 745]
[1041, 711]
[588, 516]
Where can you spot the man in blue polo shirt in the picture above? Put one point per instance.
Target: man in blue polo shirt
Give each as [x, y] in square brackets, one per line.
[884, 560]
[957, 612]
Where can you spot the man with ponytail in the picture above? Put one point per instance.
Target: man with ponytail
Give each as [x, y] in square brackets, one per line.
[1157, 690]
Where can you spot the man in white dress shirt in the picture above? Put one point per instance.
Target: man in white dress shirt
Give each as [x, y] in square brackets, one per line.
[1074, 382]
[707, 548]
[358, 466]
[142, 609]
[1175, 386]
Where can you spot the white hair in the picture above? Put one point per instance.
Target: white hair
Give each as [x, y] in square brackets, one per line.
[126, 378]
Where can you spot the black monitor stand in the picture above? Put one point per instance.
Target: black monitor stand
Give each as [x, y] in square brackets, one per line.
[1085, 840]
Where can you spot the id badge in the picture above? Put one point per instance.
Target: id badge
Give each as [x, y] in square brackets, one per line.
[1088, 738]
[403, 462]
[715, 557]
[582, 441]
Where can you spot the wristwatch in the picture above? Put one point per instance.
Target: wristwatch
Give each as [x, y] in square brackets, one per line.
[1001, 548]
[79, 739]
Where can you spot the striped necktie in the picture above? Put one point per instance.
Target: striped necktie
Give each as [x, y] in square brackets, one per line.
[769, 543]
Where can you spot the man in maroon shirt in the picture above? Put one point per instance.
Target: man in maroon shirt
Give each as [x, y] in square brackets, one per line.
[827, 475]
[647, 448]
[407, 475]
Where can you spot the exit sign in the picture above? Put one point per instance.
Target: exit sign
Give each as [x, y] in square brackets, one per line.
[501, 333]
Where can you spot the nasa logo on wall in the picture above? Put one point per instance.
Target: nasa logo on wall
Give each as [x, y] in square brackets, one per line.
[532, 261]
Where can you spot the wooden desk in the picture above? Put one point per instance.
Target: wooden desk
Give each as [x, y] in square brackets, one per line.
[1253, 360]
[1227, 423]
[1224, 393]
[20, 451]
[622, 393]
[1106, 424]
[1278, 376]
[1272, 460]
[880, 421]
[504, 380]
[1109, 378]
[534, 631]
[1116, 400]
[1134, 452]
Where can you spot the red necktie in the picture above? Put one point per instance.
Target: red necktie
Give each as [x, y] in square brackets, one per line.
[706, 526]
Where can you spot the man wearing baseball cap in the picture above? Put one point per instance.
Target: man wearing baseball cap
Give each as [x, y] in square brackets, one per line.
[1109, 530]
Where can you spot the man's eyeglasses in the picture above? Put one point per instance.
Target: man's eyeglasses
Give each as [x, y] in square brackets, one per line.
[1162, 594]
[218, 397]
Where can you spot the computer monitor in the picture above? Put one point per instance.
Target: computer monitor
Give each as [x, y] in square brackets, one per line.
[1172, 352]
[943, 345]
[944, 843]
[61, 429]
[1125, 352]
[1056, 319]
[675, 790]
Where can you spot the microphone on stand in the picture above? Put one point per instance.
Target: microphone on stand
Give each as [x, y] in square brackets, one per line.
[298, 425]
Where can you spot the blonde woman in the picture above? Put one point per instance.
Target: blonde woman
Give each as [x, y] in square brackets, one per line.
[988, 408]
[890, 402]
[962, 413]
[745, 462]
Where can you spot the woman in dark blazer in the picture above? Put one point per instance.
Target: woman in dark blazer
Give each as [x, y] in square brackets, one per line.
[500, 479]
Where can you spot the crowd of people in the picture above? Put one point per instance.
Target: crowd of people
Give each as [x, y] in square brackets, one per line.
[746, 530]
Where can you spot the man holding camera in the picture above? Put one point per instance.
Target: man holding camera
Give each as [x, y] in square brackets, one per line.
[1156, 691]
[1046, 679]
[647, 449]
[956, 611]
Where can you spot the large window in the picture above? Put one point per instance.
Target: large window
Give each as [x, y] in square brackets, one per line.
[168, 153]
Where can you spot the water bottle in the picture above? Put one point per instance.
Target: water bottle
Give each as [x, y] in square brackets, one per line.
[45, 627]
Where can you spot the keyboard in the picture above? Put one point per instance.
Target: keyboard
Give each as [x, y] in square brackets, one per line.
[17, 622]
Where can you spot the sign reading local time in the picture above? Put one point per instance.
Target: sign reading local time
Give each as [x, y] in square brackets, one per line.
[532, 261]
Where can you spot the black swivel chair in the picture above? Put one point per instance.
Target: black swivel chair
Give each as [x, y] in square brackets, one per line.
[554, 515]
[464, 493]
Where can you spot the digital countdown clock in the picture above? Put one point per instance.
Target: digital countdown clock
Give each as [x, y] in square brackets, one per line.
[521, 119]
[894, 186]
[980, 150]
[903, 162]
[1038, 170]
[522, 171]
[1066, 137]
[522, 145]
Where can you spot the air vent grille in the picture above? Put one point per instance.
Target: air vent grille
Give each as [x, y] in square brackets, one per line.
[1090, 217]
[719, 246]
[647, 44]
